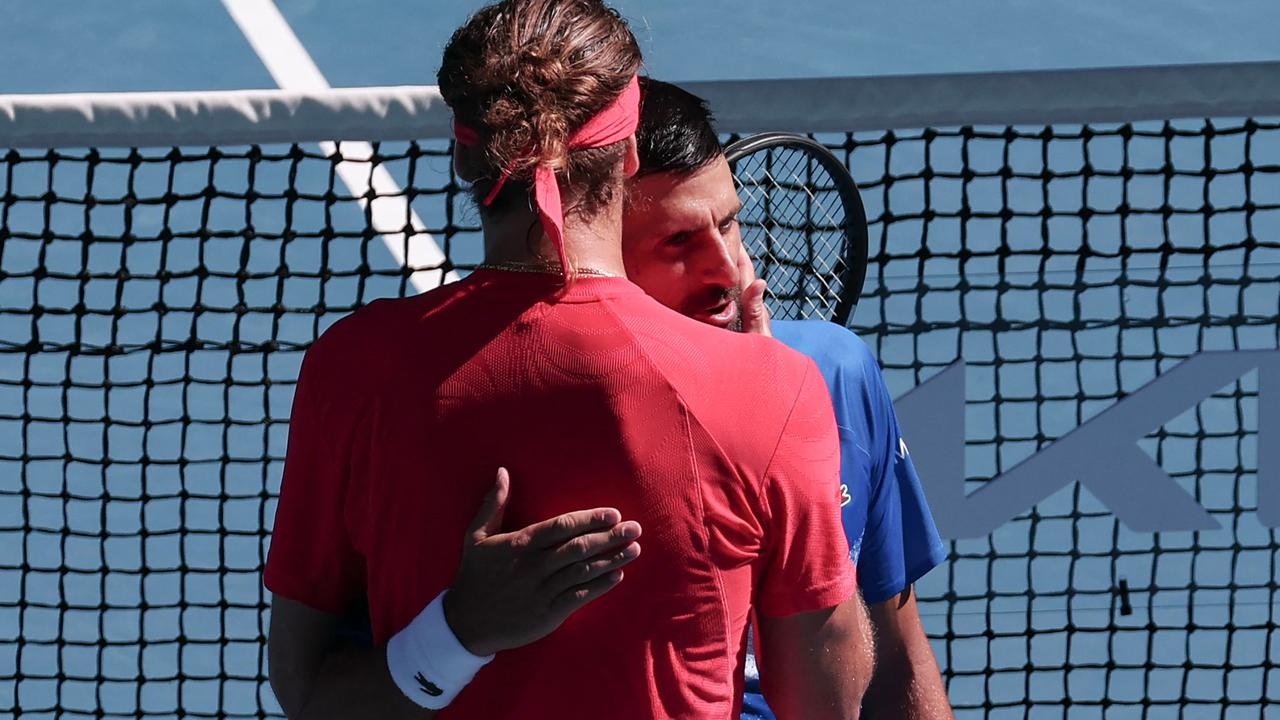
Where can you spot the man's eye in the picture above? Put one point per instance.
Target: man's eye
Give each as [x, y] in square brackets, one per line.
[677, 240]
[729, 224]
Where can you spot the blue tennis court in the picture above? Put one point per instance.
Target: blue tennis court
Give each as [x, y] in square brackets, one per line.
[67, 46]
[143, 415]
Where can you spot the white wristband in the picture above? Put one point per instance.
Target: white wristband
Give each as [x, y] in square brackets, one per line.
[426, 660]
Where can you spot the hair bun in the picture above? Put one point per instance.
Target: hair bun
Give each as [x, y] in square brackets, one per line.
[539, 73]
[530, 114]
[526, 73]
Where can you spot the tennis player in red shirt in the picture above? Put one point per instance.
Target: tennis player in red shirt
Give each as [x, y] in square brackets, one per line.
[549, 362]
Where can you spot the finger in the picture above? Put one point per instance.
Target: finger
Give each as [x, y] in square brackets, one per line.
[746, 270]
[589, 545]
[580, 573]
[572, 600]
[755, 314]
[488, 519]
[550, 533]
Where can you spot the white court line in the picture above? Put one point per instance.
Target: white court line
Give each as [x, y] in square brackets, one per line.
[293, 69]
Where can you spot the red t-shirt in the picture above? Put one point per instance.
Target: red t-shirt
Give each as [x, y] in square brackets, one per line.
[722, 445]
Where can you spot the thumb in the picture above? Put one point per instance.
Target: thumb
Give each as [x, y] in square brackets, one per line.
[488, 519]
[755, 314]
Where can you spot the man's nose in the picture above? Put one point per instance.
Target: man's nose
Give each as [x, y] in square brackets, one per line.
[717, 264]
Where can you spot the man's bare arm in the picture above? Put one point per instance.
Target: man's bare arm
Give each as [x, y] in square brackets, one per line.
[510, 590]
[816, 665]
[314, 678]
[907, 683]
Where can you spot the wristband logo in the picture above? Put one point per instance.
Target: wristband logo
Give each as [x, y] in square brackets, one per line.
[427, 686]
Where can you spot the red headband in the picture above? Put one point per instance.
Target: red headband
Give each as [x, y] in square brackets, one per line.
[616, 122]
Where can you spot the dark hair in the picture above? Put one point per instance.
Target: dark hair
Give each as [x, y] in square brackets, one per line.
[525, 74]
[676, 132]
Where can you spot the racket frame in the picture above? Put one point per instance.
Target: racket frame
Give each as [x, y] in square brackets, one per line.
[852, 264]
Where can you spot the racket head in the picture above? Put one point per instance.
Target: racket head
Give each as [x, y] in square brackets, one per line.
[803, 222]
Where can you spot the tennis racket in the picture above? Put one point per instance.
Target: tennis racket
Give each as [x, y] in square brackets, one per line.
[803, 222]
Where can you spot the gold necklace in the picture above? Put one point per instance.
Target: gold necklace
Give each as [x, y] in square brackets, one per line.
[550, 268]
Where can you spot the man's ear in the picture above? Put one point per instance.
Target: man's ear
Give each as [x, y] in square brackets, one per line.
[631, 160]
[466, 162]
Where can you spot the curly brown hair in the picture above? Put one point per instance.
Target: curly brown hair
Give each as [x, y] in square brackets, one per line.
[525, 74]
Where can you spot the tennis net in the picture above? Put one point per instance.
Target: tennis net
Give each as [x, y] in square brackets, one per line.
[1069, 236]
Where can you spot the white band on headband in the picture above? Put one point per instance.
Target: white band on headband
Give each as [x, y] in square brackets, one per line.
[426, 660]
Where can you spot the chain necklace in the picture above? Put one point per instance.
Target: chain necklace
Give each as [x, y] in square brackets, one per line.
[550, 268]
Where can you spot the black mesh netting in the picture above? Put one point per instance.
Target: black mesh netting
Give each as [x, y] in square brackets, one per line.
[155, 305]
[809, 236]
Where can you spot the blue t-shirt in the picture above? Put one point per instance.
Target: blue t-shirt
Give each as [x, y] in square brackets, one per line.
[891, 533]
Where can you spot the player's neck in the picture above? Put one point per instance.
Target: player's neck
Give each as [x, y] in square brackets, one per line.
[594, 243]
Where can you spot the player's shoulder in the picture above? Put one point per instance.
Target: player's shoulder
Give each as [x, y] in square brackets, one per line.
[762, 359]
[653, 322]
[719, 365]
[370, 340]
[830, 345]
[340, 356]
[360, 332]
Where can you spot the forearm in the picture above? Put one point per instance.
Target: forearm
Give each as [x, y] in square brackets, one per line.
[863, 664]
[521, 586]
[816, 666]
[909, 689]
[906, 684]
[354, 682]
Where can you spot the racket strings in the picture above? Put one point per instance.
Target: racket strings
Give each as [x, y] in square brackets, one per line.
[794, 221]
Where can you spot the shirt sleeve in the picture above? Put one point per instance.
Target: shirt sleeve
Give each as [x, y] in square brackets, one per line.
[807, 564]
[901, 542]
[312, 558]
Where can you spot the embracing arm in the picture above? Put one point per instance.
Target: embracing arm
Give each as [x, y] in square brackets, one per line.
[314, 679]
[907, 683]
[511, 589]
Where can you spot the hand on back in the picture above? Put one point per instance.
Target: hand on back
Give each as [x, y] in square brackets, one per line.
[513, 588]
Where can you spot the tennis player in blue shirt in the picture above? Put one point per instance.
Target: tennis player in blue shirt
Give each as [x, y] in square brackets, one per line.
[681, 245]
